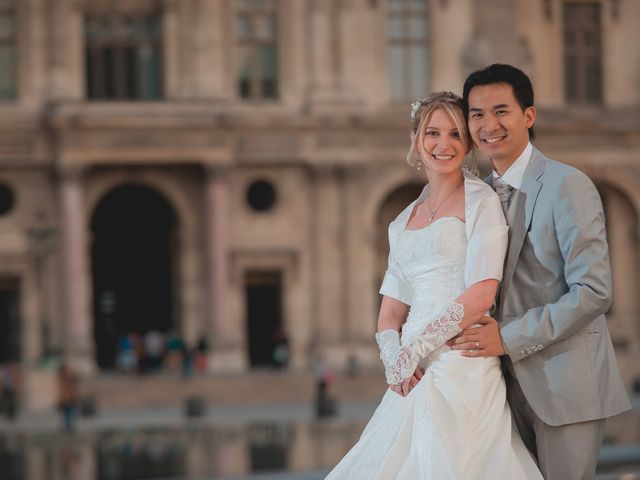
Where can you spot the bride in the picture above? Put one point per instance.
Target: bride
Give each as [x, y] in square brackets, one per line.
[446, 256]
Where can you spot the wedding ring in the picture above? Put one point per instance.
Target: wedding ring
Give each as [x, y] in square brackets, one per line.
[477, 346]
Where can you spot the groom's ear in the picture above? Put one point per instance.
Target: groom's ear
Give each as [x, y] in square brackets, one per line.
[530, 116]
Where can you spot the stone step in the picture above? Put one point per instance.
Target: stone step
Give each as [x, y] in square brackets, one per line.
[124, 391]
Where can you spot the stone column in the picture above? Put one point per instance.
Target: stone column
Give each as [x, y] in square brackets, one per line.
[77, 318]
[329, 326]
[360, 265]
[495, 36]
[65, 45]
[210, 45]
[31, 307]
[325, 55]
[32, 45]
[171, 44]
[224, 336]
[323, 39]
[622, 227]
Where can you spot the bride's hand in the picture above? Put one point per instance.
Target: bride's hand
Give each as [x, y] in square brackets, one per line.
[405, 387]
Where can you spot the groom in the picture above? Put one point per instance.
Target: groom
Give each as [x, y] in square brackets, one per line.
[550, 329]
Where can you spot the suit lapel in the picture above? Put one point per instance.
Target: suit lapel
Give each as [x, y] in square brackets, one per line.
[519, 217]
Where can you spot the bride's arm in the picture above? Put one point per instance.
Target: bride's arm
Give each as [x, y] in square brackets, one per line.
[393, 314]
[400, 362]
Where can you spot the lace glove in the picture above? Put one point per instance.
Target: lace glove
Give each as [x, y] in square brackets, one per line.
[401, 361]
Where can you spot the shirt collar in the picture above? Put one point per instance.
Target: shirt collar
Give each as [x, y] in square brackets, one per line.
[515, 173]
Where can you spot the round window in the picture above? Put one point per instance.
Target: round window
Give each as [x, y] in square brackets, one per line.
[7, 199]
[261, 195]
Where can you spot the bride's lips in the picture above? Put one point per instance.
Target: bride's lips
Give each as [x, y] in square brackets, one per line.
[441, 157]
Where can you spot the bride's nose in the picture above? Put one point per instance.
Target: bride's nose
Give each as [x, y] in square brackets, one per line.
[444, 142]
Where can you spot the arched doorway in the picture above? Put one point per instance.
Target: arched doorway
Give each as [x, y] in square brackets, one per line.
[133, 250]
[393, 204]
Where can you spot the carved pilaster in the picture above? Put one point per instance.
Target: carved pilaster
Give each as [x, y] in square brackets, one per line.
[226, 352]
[77, 318]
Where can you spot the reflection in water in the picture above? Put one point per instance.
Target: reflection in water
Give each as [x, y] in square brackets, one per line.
[11, 458]
[191, 451]
[187, 452]
[269, 445]
[129, 457]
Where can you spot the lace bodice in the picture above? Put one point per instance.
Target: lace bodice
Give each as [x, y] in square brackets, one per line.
[432, 261]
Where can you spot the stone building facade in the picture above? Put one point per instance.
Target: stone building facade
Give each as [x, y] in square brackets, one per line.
[227, 168]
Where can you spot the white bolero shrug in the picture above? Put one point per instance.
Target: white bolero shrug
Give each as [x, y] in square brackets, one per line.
[487, 238]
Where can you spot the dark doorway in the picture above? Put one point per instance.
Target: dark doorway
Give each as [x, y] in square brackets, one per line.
[9, 321]
[268, 345]
[133, 244]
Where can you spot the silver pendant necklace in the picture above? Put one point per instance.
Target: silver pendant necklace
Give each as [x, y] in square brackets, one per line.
[434, 212]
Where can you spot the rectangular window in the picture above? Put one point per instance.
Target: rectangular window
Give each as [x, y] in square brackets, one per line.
[408, 39]
[582, 53]
[256, 53]
[123, 57]
[7, 50]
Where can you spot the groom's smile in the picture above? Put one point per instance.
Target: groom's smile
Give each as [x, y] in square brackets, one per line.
[493, 140]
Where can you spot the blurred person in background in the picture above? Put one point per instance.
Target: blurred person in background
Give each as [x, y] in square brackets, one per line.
[187, 360]
[280, 355]
[153, 350]
[175, 348]
[201, 354]
[447, 249]
[68, 397]
[8, 396]
[126, 359]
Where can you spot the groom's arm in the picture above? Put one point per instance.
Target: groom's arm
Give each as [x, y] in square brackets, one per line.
[581, 235]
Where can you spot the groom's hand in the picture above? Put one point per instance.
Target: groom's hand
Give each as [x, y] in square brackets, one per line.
[482, 341]
[405, 387]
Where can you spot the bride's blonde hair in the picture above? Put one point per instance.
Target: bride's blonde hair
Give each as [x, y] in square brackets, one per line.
[421, 112]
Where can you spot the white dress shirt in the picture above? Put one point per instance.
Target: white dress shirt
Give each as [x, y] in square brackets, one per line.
[515, 173]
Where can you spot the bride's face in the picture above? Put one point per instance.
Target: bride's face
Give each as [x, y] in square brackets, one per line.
[442, 150]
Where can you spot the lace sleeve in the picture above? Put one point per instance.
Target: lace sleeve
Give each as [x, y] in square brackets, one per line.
[401, 361]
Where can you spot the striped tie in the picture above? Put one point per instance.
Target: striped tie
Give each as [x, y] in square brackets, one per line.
[505, 192]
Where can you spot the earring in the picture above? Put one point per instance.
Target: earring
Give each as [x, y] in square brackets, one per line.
[471, 164]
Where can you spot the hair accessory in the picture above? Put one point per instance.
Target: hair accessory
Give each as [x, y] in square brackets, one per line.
[415, 106]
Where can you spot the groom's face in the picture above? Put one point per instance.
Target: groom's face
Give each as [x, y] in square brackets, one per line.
[498, 125]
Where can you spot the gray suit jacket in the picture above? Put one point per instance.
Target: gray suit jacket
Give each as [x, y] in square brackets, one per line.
[555, 291]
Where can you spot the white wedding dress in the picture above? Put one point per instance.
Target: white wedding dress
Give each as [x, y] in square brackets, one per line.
[456, 423]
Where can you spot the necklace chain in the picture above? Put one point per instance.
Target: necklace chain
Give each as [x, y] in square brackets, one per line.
[434, 212]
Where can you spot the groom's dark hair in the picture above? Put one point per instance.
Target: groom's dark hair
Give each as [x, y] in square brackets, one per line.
[501, 73]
